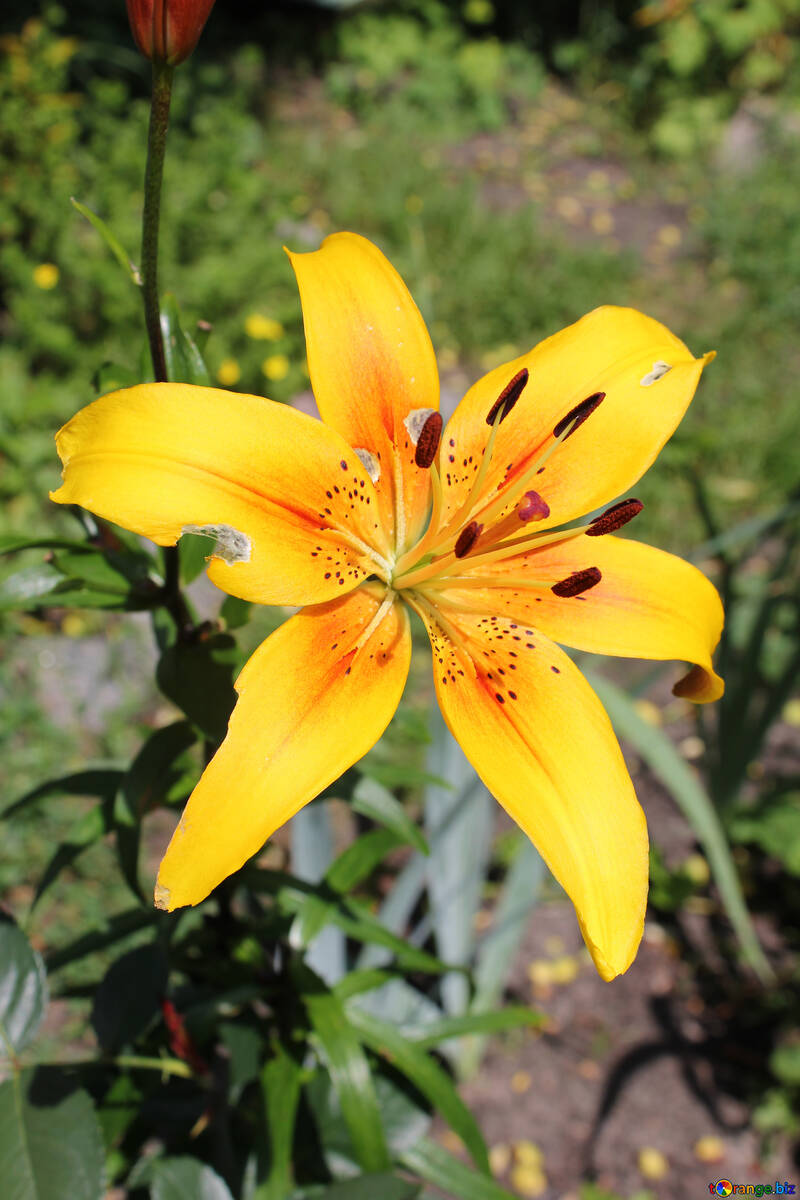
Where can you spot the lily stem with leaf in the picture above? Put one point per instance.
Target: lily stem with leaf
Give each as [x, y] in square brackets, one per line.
[154, 174]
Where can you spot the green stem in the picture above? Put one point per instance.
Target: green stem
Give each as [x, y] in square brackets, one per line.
[154, 172]
[168, 1066]
[153, 176]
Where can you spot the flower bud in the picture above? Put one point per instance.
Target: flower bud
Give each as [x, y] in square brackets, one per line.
[167, 31]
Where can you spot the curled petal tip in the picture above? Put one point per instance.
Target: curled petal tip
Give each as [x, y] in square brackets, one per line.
[701, 685]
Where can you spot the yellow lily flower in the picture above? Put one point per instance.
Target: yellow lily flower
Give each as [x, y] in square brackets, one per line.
[375, 510]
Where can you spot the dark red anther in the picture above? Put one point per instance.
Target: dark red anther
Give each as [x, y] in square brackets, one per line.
[467, 539]
[614, 518]
[577, 415]
[579, 581]
[428, 440]
[507, 398]
[533, 507]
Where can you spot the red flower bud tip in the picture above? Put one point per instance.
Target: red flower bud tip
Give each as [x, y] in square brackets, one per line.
[167, 31]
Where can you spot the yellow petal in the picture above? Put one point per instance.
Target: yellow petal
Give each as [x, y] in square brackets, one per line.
[540, 740]
[310, 705]
[371, 361]
[648, 604]
[618, 351]
[293, 508]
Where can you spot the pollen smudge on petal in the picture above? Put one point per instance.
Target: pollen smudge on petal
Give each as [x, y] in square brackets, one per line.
[507, 398]
[232, 545]
[658, 371]
[579, 581]
[577, 415]
[428, 440]
[415, 422]
[614, 518]
[370, 463]
[533, 508]
[467, 539]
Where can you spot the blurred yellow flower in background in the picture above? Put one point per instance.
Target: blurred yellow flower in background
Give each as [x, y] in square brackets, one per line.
[275, 367]
[263, 329]
[46, 276]
[229, 372]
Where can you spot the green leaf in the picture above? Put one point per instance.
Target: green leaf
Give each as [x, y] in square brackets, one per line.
[100, 781]
[355, 983]
[118, 1109]
[403, 1120]
[198, 677]
[91, 568]
[357, 922]
[12, 542]
[120, 926]
[87, 830]
[244, 1046]
[381, 1186]
[351, 1077]
[784, 1063]
[195, 549]
[48, 1142]
[458, 821]
[187, 1179]
[43, 584]
[498, 948]
[435, 1165]
[372, 800]
[129, 996]
[149, 780]
[425, 1074]
[691, 797]
[280, 1085]
[111, 377]
[28, 587]
[311, 832]
[23, 988]
[360, 859]
[184, 361]
[235, 612]
[512, 1017]
[110, 239]
[774, 825]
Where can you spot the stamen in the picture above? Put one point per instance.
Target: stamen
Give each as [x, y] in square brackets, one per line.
[579, 581]
[577, 415]
[507, 398]
[377, 617]
[428, 440]
[533, 507]
[467, 539]
[614, 518]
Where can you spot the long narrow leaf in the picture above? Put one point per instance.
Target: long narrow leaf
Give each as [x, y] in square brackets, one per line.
[458, 825]
[351, 1077]
[360, 859]
[691, 797]
[371, 799]
[110, 239]
[426, 1075]
[435, 1165]
[280, 1085]
[514, 1017]
[312, 854]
